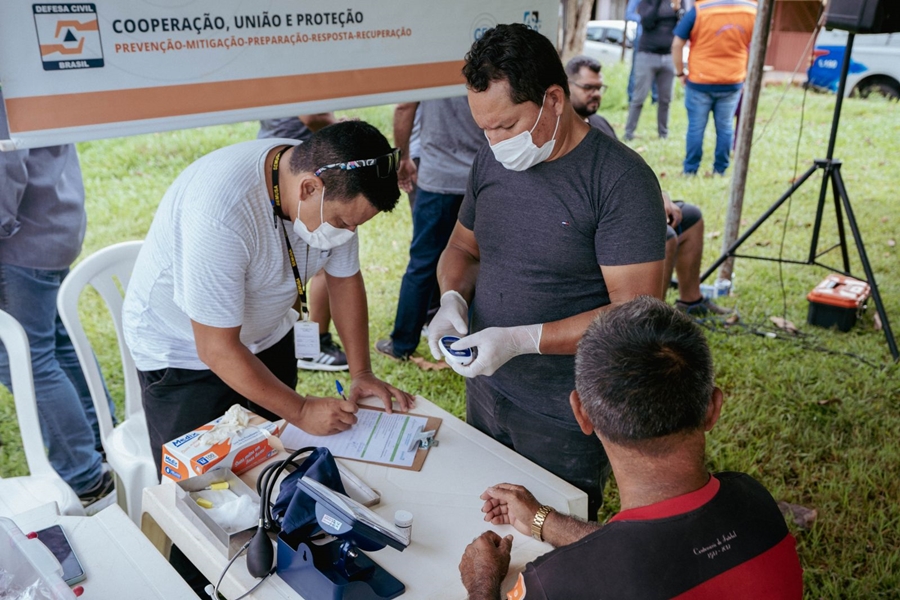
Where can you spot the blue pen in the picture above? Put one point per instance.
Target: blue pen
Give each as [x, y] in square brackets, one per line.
[340, 389]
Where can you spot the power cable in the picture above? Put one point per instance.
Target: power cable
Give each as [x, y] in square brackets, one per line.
[787, 86]
[802, 340]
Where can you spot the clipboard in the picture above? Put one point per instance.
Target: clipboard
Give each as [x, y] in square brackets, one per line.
[431, 424]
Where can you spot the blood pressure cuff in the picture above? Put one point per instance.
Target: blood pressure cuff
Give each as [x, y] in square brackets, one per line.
[294, 509]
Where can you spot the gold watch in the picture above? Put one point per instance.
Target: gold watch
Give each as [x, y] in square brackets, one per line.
[537, 525]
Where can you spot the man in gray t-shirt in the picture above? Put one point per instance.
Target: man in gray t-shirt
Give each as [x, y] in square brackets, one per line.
[449, 140]
[559, 222]
[684, 232]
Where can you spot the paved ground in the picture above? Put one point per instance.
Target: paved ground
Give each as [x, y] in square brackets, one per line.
[781, 77]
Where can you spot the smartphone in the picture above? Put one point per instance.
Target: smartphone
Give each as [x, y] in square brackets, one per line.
[56, 541]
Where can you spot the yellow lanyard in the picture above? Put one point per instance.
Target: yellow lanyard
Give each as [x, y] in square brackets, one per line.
[279, 214]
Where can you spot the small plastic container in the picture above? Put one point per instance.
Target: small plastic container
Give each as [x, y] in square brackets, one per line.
[27, 562]
[721, 287]
[403, 520]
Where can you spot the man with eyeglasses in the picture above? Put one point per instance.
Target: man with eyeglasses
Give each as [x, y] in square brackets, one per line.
[558, 223]
[586, 91]
[208, 313]
[684, 222]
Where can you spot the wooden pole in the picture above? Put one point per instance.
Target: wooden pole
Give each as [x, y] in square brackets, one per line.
[758, 46]
[576, 14]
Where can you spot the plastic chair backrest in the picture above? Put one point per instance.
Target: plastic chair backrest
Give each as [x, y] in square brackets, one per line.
[107, 271]
[15, 340]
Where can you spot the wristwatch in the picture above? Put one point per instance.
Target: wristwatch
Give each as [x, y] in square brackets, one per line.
[537, 525]
[682, 74]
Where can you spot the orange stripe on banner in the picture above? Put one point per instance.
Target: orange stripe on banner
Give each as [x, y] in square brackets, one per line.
[51, 48]
[37, 113]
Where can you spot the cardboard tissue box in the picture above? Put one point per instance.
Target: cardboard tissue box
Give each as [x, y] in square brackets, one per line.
[238, 440]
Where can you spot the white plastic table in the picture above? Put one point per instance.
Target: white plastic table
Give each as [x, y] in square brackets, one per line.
[444, 500]
[118, 561]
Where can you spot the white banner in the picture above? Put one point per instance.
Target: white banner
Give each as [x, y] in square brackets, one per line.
[79, 71]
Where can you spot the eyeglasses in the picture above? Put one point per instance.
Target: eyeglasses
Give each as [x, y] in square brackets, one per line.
[589, 87]
[384, 165]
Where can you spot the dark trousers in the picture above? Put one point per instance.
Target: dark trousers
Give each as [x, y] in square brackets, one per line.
[434, 216]
[570, 455]
[177, 401]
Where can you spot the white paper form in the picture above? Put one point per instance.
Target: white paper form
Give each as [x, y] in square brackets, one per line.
[377, 437]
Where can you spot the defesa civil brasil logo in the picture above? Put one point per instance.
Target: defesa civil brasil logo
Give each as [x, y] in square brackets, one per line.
[532, 20]
[68, 36]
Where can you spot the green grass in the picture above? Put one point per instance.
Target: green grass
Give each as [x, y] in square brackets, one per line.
[817, 429]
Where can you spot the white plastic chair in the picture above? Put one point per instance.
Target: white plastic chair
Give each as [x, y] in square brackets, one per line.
[42, 485]
[127, 445]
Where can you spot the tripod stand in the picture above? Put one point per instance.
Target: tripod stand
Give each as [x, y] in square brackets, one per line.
[831, 172]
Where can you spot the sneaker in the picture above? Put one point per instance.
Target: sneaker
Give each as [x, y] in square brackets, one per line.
[101, 490]
[330, 358]
[702, 308]
[386, 347]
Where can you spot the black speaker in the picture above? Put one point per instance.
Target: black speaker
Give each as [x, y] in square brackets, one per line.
[863, 16]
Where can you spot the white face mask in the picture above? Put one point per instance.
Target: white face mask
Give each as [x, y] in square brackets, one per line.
[326, 236]
[520, 152]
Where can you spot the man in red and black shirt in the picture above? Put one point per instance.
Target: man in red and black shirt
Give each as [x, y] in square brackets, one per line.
[644, 386]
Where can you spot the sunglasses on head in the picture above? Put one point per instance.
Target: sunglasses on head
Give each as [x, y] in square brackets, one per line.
[384, 165]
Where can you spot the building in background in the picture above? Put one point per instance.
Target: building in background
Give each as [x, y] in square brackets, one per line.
[793, 24]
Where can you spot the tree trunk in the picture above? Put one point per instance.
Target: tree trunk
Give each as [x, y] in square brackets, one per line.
[758, 46]
[576, 14]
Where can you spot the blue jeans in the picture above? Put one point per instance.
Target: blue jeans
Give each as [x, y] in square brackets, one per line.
[434, 216]
[65, 409]
[699, 105]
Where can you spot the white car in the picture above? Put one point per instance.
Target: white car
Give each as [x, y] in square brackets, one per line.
[874, 63]
[604, 40]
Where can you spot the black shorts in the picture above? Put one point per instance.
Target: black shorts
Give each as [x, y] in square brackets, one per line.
[690, 216]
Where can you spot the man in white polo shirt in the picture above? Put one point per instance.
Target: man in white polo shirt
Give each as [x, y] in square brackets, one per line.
[208, 314]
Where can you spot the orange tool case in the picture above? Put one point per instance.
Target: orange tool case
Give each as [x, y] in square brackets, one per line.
[837, 301]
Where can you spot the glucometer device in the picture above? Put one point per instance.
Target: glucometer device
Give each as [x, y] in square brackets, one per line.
[460, 357]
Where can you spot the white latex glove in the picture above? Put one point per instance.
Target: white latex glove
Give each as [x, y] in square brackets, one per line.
[451, 319]
[496, 345]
